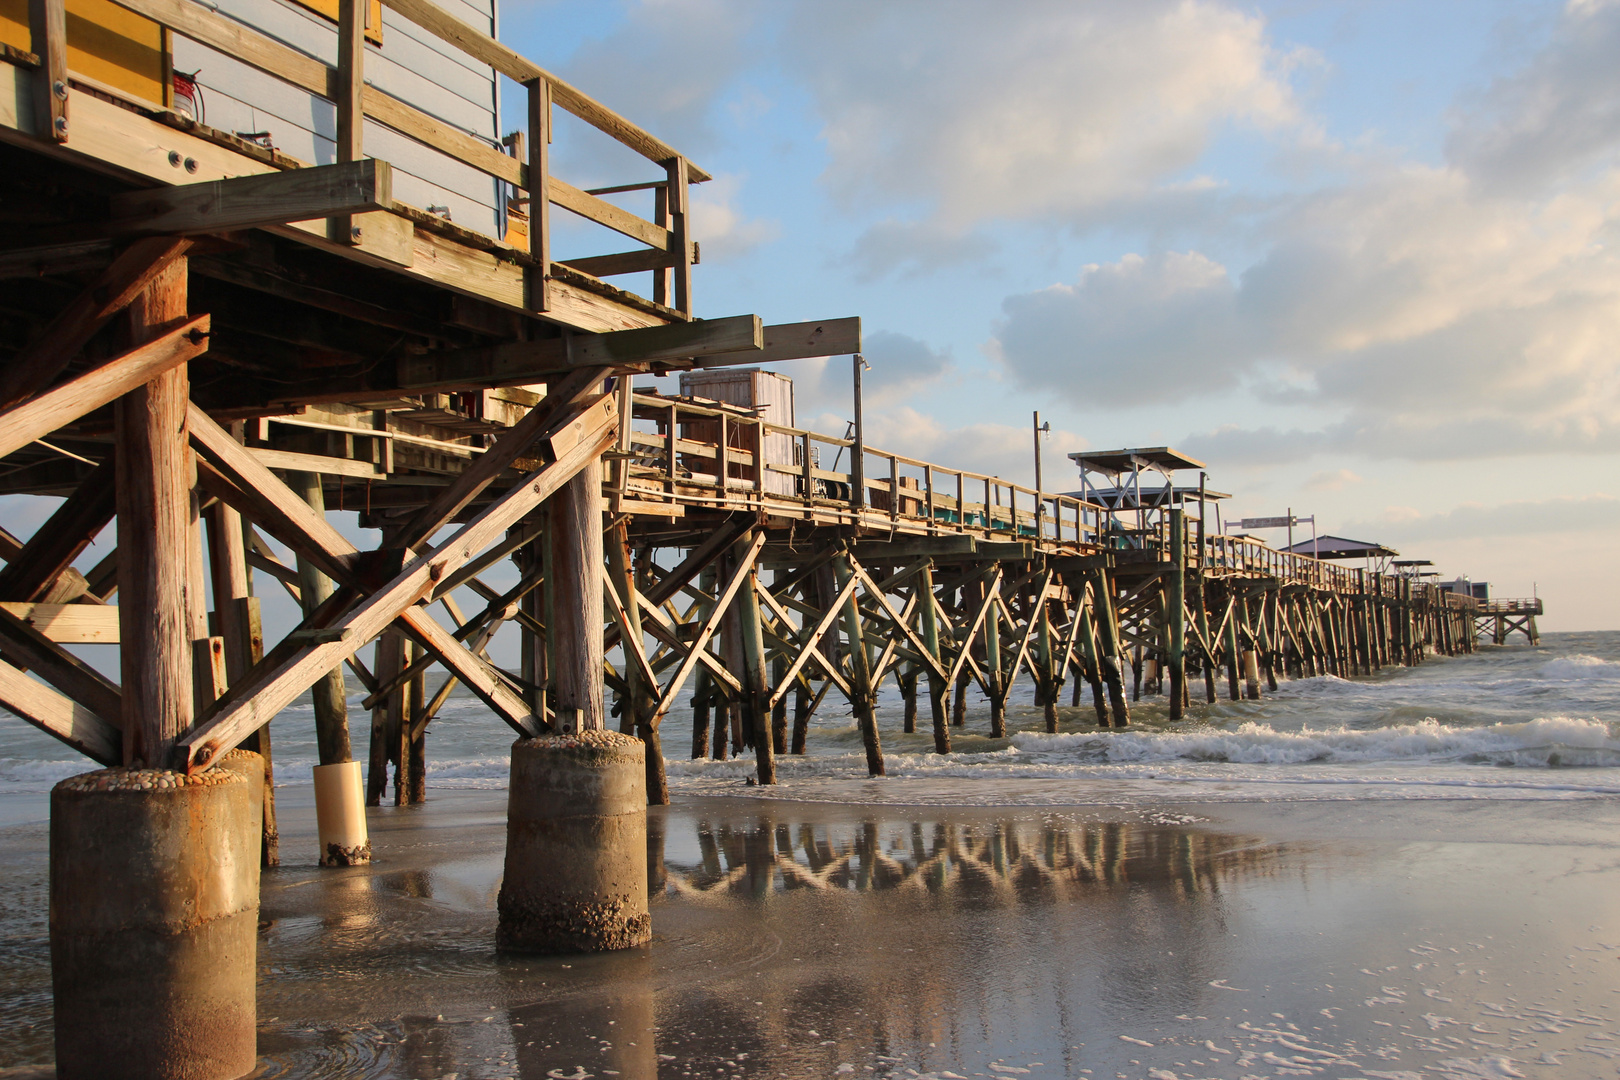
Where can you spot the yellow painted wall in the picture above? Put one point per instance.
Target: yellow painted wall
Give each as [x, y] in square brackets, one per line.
[106, 43]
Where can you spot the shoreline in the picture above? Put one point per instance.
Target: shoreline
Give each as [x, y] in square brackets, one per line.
[813, 935]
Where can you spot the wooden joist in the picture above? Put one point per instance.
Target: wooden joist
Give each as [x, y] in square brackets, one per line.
[60, 716]
[268, 689]
[246, 202]
[69, 624]
[520, 362]
[39, 416]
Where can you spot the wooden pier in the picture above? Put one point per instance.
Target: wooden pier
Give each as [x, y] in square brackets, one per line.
[214, 343]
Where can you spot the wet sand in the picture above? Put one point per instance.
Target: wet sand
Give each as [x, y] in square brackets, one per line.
[1390, 940]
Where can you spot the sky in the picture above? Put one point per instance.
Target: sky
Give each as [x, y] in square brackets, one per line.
[1356, 256]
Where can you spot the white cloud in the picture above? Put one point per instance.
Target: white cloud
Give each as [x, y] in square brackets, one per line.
[965, 112]
[1003, 450]
[898, 366]
[1472, 521]
[1332, 480]
[722, 230]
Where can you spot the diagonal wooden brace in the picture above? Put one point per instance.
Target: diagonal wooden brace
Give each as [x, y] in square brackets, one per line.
[270, 690]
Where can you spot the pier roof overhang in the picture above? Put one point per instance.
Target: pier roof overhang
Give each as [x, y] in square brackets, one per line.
[1117, 462]
[1339, 547]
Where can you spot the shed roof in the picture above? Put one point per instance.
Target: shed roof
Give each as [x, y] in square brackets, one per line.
[1341, 547]
[1144, 457]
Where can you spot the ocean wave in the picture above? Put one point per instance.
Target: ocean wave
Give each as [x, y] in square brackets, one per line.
[1580, 667]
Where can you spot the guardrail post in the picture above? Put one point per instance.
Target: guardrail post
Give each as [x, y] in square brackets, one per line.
[47, 22]
[678, 233]
[351, 115]
[538, 276]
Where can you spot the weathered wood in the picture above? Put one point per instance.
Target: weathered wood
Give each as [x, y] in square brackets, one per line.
[47, 25]
[756, 704]
[245, 202]
[540, 422]
[38, 364]
[643, 683]
[153, 358]
[519, 363]
[268, 691]
[328, 695]
[537, 278]
[26, 647]
[70, 624]
[1175, 606]
[157, 611]
[486, 49]
[937, 683]
[350, 102]
[574, 590]
[36, 572]
[707, 630]
[60, 716]
[860, 679]
[1108, 644]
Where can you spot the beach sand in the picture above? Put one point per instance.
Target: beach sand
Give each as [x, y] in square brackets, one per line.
[1391, 940]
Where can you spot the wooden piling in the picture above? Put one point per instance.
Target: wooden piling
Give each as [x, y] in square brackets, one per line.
[1176, 611]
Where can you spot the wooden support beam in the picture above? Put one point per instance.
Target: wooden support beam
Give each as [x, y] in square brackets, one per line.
[246, 202]
[158, 611]
[38, 572]
[796, 341]
[710, 624]
[26, 647]
[755, 702]
[537, 278]
[350, 103]
[38, 416]
[545, 420]
[860, 678]
[70, 624]
[522, 362]
[267, 691]
[1176, 612]
[59, 716]
[48, 355]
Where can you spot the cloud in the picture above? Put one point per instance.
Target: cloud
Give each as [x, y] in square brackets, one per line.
[666, 63]
[1336, 480]
[1472, 521]
[722, 230]
[916, 248]
[964, 112]
[1002, 450]
[1559, 113]
[899, 366]
[1165, 327]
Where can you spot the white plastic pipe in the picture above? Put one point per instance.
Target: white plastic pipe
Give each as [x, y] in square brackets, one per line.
[340, 815]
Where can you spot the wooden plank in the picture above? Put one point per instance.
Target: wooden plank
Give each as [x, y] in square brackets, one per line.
[624, 262]
[38, 364]
[351, 116]
[56, 715]
[39, 416]
[479, 675]
[69, 624]
[486, 49]
[34, 572]
[522, 362]
[47, 24]
[246, 202]
[539, 188]
[25, 646]
[316, 463]
[606, 214]
[267, 692]
[540, 422]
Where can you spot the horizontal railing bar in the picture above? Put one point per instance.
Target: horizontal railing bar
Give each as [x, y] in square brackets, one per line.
[485, 49]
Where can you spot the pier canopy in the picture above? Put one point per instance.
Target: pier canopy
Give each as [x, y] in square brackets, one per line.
[1132, 498]
[1341, 547]
[1125, 493]
[1117, 463]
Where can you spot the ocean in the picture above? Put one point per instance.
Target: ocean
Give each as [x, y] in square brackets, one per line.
[1511, 722]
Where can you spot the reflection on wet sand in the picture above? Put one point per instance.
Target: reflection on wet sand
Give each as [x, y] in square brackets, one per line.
[1022, 858]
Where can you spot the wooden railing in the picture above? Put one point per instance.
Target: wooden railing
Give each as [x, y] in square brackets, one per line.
[738, 454]
[667, 248]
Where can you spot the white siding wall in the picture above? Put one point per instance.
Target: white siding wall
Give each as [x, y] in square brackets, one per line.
[411, 64]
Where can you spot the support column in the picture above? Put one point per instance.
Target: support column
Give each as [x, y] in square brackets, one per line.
[575, 590]
[1231, 647]
[992, 666]
[328, 694]
[639, 702]
[860, 672]
[1108, 645]
[1176, 610]
[930, 636]
[576, 829]
[154, 874]
[756, 688]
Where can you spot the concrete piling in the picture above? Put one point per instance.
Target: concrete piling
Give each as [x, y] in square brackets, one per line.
[576, 845]
[154, 914]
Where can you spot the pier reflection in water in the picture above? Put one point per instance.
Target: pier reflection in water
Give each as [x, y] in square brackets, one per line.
[791, 939]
